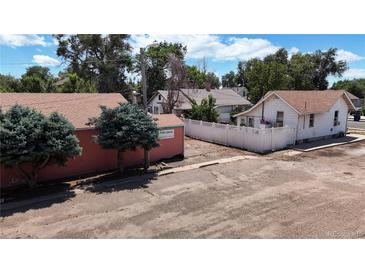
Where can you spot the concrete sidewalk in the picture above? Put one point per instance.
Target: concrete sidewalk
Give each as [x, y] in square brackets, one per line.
[348, 139]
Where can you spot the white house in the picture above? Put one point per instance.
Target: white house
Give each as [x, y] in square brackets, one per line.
[313, 114]
[227, 101]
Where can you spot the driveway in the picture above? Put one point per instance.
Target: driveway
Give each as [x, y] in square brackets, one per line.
[287, 194]
[353, 124]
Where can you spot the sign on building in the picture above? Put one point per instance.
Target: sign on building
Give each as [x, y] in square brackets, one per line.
[166, 134]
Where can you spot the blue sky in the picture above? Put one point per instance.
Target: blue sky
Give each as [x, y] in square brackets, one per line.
[222, 52]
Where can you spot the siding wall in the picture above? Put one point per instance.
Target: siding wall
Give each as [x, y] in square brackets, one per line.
[273, 105]
[224, 113]
[323, 122]
[156, 103]
[95, 159]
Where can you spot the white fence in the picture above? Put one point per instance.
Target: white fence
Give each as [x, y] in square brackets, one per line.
[253, 139]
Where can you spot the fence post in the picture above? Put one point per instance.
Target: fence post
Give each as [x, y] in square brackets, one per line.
[226, 135]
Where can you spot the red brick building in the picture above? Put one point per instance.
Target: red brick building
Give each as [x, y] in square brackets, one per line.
[78, 108]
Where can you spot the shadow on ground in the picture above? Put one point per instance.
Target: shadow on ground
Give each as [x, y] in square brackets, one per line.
[116, 184]
[22, 199]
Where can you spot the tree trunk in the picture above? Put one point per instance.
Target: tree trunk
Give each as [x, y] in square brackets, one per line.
[31, 177]
[146, 159]
[120, 161]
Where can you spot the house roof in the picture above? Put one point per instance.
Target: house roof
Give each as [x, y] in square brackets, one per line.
[167, 120]
[310, 101]
[223, 97]
[351, 96]
[76, 107]
[183, 102]
[306, 101]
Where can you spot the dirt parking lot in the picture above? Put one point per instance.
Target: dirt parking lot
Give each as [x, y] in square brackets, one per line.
[287, 194]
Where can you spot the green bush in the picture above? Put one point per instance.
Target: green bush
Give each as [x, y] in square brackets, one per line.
[125, 127]
[27, 137]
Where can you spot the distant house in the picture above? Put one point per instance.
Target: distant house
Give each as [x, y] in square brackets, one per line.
[313, 114]
[78, 108]
[356, 101]
[242, 91]
[227, 101]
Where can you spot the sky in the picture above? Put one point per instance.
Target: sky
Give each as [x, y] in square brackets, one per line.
[221, 52]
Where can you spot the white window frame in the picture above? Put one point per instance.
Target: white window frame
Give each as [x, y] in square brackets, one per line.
[279, 121]
[311, 119]
[335, 118]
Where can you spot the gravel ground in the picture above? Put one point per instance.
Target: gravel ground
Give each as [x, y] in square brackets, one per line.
[287, 194]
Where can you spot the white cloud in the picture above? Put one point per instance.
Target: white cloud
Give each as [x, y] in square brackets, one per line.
[211, 46]
[292, 51]
[45, 60]
[18, 40]
[354, 73]
[348, 56]
[55, 41]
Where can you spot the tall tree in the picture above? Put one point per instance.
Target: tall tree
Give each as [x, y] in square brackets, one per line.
[74, 84]
[356, 86]
[29, 141]
[37, 79]
[326, 64]
[94, 57]
[229, 80]
[212, 81]
[302, 71]
[195, 77]
[9, 83]
[175, 81]
[240, 76]
[157, 59]
[123, 128]
[277, 71]
[256, 79]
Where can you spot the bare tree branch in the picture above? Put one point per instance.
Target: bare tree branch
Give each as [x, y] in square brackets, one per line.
[176, 80]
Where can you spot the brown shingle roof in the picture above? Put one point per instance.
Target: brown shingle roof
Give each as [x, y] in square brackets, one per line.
[306, 101]
[76, 107]
[310, 101]
[167, 120]
[223, 97]
[351, 96]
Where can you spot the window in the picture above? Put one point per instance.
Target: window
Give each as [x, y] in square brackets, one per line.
[159, 97]
[280, 119]
[149, 109]
[311, 120]
[155, 110]
[250, 122]
[335, 119]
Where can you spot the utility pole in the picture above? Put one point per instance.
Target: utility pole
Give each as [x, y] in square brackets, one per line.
[144, 80]
[144, 91]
